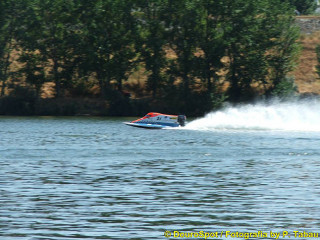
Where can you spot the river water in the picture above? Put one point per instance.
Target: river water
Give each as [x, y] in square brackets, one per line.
[242, 169]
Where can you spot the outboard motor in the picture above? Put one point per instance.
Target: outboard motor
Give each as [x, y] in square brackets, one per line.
[182, 120]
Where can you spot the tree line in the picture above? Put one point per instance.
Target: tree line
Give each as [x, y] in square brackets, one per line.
[195, 53]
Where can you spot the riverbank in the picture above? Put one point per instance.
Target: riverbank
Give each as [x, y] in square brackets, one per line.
[119, 106]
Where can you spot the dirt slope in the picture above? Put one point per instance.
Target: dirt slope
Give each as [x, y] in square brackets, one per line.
[305, 74]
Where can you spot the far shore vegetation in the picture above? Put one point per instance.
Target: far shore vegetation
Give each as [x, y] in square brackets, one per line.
[129, 57]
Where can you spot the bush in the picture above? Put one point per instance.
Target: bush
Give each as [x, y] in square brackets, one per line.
[286, 88]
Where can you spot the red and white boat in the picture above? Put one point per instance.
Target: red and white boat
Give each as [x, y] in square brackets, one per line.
[155, 120]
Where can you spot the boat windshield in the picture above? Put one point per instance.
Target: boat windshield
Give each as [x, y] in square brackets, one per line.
[151, 114]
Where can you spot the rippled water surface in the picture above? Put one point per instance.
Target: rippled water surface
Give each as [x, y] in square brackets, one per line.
[96, 178]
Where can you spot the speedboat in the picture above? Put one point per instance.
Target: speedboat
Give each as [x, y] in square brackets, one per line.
[155, 120]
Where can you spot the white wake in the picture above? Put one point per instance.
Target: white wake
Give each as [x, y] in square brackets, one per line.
[287, 116]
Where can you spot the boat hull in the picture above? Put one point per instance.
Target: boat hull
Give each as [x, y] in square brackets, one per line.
[146, 125]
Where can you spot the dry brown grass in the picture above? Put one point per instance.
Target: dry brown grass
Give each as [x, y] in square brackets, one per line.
[307, 79]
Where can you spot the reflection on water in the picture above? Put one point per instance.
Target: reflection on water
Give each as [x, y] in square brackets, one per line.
[95, 178]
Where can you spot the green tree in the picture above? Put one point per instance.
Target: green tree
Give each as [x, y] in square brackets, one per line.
[33, 70]
[261, 37]
[9, 10]
[211, 43]
[108, 42]
[184, 23]
[284, 49]
[51, 29]
[153, 40]
[245, 53]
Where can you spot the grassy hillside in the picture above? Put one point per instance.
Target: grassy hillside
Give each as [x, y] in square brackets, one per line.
[307, 79]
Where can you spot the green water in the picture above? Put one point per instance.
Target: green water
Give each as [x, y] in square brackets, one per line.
[96, 178]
